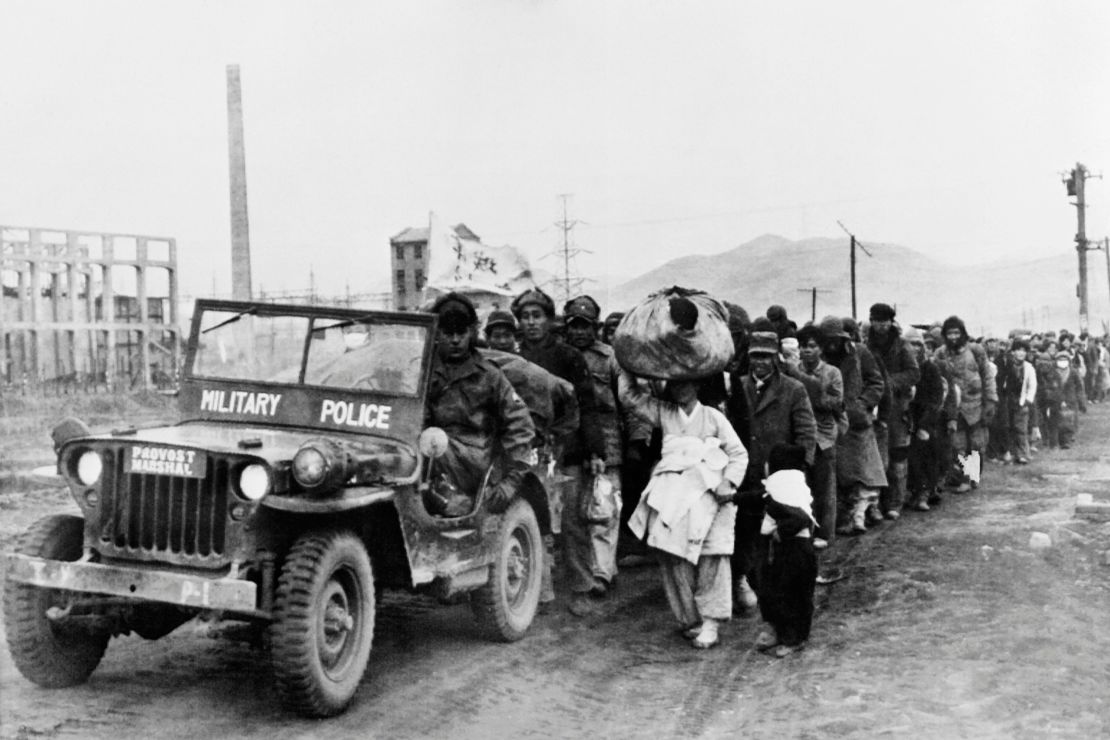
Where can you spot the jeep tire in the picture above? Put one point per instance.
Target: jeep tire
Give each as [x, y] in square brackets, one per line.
[506, 605]
[323, 622]
[43, 652]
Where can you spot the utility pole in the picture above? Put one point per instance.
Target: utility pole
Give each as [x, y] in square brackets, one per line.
[813, 301]
[570, 285]
[1106, 251]
[852, 262]
[1076, 185]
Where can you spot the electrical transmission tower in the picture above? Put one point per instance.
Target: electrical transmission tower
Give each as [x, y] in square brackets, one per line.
[569, 284]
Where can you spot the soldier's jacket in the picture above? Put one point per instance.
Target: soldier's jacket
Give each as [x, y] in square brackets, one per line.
[549, 398]
[483, 416]
[568, 363]
[604, 372]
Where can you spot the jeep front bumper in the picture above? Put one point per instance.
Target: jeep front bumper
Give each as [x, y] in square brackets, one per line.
[222, 594]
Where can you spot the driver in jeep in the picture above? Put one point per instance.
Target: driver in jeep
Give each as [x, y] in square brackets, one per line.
[472, 401]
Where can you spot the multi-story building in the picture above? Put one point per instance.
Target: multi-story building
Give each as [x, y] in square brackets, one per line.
[409, 262]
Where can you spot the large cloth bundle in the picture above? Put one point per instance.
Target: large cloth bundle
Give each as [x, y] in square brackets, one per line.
[676, 334]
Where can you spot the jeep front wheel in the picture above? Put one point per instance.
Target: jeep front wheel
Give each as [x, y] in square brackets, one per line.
[323, 622]
[507, 604]
[44, 653]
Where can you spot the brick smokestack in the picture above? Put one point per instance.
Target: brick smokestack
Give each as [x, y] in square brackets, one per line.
[237, 164]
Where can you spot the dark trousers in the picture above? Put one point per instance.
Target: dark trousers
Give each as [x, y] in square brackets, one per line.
[635, 474]
[784, 581]
[822, 481]
[1050, 423]
[1069, 426]
[928, 463]
[999, 442]
[745, 553]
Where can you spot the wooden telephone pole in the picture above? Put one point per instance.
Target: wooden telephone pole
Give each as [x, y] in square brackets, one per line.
[852, 262]
[813, 301]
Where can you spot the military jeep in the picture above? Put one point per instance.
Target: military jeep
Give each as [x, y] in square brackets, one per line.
[293, 490]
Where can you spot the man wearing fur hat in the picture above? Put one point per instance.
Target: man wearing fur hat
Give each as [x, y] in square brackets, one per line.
[900, 374]
[600, 510]
[471, 400]
[535, 311]
[612, 321]
[501, 331]
[966, 366]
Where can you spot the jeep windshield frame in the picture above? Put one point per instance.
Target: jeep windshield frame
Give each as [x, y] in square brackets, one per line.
[328, 368]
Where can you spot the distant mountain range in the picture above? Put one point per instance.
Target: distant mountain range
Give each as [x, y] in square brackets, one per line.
[993, 298]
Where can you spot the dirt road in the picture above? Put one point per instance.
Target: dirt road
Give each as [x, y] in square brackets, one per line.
[946, 625]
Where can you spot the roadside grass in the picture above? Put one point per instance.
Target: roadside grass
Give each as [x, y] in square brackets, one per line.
[26, 421]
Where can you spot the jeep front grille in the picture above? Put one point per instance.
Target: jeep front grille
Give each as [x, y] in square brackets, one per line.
[161, 517]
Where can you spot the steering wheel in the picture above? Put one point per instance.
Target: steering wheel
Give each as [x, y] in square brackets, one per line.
[369, 380]
[391, 379]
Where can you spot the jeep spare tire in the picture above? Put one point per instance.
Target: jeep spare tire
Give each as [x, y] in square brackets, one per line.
[507, 604]
[323, 622]
[47, 654]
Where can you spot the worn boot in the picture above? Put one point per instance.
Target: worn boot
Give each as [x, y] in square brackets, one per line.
[919, 501]
[962, 482]
[896, 494]
[974, 468]
[859, 517]
[745, 600]
[843, 514]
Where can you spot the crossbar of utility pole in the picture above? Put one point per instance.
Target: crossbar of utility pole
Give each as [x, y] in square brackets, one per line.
[813, 303]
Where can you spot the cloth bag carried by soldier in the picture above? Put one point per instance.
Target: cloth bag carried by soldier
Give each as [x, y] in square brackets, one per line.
[675, 334]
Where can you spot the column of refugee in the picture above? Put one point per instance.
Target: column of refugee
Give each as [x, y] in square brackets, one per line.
[840, 427]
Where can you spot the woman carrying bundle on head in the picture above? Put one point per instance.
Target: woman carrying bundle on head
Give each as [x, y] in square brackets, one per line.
[686, 512]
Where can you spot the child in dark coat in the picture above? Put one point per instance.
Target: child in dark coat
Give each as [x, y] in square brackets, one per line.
[787, 562]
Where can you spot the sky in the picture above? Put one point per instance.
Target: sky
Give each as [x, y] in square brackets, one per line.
[674, 127]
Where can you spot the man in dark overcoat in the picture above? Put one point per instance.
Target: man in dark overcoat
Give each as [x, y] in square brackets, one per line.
[780, 412]
[859, 466]
[900, 374]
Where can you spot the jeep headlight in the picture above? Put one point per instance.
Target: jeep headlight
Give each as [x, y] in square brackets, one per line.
[254, 481]
[89, 467]
[321, 464]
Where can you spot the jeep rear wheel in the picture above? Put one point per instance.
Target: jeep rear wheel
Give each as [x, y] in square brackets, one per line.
[323, 622]
[506, 605]
[43, 652]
